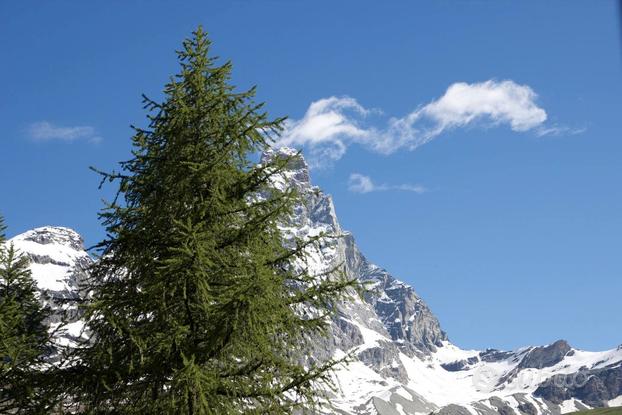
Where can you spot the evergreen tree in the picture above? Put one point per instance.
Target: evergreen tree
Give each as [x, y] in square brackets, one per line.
[24, 339]
[196, 307]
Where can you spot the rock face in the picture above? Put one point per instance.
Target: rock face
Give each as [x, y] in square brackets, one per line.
[548, 356]
[459, 365]
[403, 315]
[406, 364]
[592, 387]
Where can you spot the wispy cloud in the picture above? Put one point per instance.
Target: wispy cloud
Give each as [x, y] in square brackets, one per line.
[557, 130]
[359, 183]
[45, 131]
[332, 124]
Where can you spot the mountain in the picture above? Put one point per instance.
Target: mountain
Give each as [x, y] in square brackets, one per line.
[58, 262]
[406, 363]
[602, 411]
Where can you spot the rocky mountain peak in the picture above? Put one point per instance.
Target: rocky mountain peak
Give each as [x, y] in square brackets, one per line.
[406, 321]
[53, 235]
[270, 153]
[58, 260]
[297, 168]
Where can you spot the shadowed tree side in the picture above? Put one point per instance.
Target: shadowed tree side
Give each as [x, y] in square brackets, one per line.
[196, 307]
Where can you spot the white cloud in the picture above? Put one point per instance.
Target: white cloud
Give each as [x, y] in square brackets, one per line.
[360, 183]
[328, 126]
[45, 131]
[332, 124]
[500, 102]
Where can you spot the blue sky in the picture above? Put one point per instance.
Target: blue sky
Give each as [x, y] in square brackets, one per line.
[499, 199]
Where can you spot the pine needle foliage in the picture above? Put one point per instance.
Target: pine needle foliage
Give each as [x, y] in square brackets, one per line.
[24, 338]
[196, 307]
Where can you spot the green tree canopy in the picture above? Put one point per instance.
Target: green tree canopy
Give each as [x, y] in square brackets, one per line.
[196, 307]
[24, 338]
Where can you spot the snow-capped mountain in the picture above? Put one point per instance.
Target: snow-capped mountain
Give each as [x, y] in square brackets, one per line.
[58, 263]
[406, 363]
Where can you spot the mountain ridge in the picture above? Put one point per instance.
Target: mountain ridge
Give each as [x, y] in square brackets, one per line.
[406, 363]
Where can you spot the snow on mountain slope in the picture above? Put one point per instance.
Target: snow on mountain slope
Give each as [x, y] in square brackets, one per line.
[58, 263]
[406, 364]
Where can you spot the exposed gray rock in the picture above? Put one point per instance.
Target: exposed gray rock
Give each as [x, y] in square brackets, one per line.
[383, 407]
[483, 409]
[453, 410]
[502, 407]
[407, 318]
[593, 387]
[527, 408]
[416, 404]
[494, 355]
[345, 334]
[460, 364]
[548, 356]
[384, 359]
[55, 235]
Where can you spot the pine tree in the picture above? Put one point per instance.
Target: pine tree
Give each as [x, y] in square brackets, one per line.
[196, 307]
[24, 338]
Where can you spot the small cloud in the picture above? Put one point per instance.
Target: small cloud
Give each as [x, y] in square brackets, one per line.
[45, 131]
[557, 131]
[359, 183]
[332, 124]
[417, 188]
